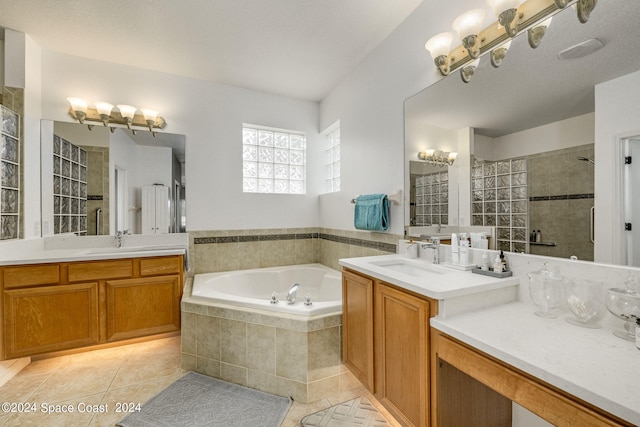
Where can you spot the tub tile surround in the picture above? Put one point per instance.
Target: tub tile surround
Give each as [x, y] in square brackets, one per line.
[282, 354]
[230, 250]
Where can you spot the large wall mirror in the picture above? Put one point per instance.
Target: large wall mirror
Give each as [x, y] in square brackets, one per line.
[97, 182]
[525, 132]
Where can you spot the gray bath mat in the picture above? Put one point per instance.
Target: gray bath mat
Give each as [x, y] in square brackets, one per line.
[358, 412]
[197, 400]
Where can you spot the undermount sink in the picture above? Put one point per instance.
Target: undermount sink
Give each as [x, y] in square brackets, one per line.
[412, 268]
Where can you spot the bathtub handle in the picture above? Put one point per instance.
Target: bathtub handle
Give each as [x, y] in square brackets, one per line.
[274, 298]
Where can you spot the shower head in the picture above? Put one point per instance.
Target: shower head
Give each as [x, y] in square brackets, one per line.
[584, 159]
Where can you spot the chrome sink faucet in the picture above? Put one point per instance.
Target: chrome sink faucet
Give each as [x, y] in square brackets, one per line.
[118, 237]
[291, 296]
[435, 245]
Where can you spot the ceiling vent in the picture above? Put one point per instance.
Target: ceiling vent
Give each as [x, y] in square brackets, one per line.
[582, 49]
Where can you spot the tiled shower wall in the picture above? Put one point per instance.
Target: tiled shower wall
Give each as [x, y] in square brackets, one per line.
[228, 250]
[561, 191]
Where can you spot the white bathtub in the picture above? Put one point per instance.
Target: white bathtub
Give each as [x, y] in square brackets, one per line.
[253, 288]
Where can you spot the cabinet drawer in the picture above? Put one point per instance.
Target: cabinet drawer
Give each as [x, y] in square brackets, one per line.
[97, 270]
[31, 275]
[159, 266]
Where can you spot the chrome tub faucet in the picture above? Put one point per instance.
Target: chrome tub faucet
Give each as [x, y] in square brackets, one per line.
[291, 296]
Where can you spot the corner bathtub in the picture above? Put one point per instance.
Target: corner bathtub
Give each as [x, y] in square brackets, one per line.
[253, 288]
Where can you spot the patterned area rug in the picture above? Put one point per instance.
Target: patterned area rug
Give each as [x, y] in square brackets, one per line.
[197, 400]
[354, 413]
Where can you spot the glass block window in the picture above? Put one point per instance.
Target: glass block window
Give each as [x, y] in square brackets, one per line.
[273, 161]
[333, 161]
[69, 187]
[499, 199]
[9, 175]
[432, 199]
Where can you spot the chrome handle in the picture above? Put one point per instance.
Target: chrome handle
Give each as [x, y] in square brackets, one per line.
[98, 215]
[591, 222]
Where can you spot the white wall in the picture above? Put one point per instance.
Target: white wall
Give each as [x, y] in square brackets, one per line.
[553, 136]
[617, 117]
[369, 104]
[23, 69]
[210, 116]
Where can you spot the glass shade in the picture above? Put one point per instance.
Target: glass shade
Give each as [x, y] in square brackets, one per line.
[78, 104]
[439, 45]
[500, 6]
[127, 111]
[453, 155]
[149, 115]
[469, 23]
[104, 108]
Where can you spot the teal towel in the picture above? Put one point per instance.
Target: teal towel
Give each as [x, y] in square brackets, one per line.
[372, 212]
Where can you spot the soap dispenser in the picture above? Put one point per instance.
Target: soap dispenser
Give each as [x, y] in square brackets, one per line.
[464, 249]
[497, 264]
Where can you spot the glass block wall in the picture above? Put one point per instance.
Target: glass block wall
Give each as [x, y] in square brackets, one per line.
[432, 199]
[10, 175]
[499, 199]
[69, 187]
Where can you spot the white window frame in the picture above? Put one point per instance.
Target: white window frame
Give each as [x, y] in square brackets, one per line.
[273, 167]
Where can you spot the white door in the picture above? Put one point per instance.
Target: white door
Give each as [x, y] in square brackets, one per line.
[121, 200]
[155, 209]
[163, 222]
[632, 200]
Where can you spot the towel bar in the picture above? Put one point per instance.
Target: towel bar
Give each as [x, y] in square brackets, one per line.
[395, 198]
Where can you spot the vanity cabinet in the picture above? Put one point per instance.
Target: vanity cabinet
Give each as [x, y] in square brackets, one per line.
[357, 326]
[475, 389]
[60, 306]
[386, 344]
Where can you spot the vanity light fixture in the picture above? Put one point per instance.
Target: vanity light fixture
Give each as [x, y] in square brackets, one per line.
[498, 54]
[121, 115]
[127, 112]
[535, 34]
[149, 118]
[506, 11]
[532, 16]
[78, 108]
[439, 46]
[104, 111]
[467, 71]
[438, 158]
[468, 26]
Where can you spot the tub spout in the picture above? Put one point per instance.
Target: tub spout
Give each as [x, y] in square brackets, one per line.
[291, 296]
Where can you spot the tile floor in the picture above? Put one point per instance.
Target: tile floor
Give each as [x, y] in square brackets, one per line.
[100, 379]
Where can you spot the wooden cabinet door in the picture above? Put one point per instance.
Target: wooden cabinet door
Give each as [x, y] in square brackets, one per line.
[143, 306]
[357, 326]
[50, 318]
[402, 357]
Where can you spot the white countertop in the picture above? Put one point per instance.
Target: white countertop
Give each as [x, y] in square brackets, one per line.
[591, 364]
[84, 254]
[448, 284]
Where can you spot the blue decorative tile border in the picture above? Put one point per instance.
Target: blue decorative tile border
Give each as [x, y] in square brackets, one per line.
[386, 247]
